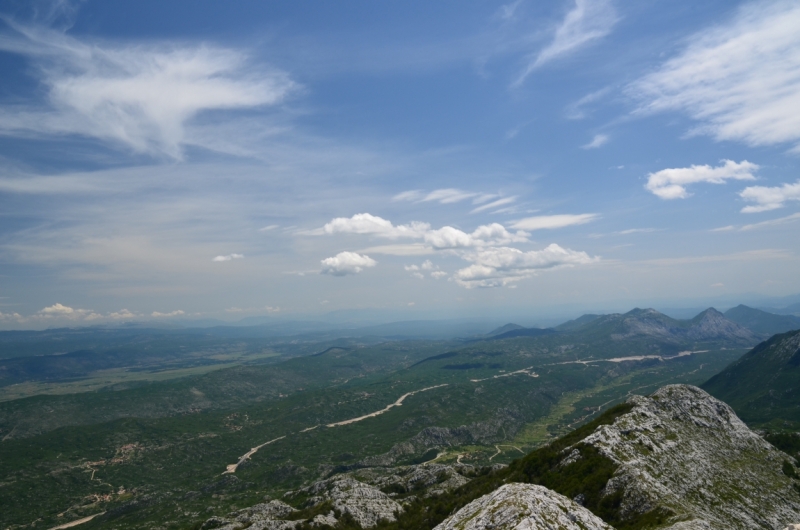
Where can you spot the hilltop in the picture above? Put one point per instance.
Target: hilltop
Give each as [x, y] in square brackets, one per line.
[762, 384]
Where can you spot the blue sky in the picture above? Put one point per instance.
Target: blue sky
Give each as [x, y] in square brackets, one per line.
[173, 160]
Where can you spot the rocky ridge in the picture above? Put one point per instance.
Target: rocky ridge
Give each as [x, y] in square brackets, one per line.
[687, 454]
[358, 494]
[523, 507]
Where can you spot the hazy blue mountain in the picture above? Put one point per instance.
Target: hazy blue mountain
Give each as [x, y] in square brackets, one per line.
[577, 323]
[708, 326]
[762, 322]
[504, 329]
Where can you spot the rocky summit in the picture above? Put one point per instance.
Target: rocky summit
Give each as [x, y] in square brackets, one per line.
[687, 454]
[523, 507]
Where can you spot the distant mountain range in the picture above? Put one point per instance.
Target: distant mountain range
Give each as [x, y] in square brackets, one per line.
[741, 325]
[762, 322]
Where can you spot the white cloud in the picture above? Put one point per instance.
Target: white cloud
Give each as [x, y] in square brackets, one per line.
[62, 312]
[452, 238]
[740, 79]
[122, 314]
[426, 265]
[58, 309]
[139, 96]
[409, 249]
[575, 110]
[268, 228]
[496, 267]
[769, 198]
[494, 204]
[365, 223]
[773, 222]
[410, 195]
[176, 313]
[493, 263]
[271, 309]
[345, 263]
[588, 21]
[442, 238]
[553, 221]
[671, 183]
[227, 257]
[448, 195]
[597, 141]
[637, 231]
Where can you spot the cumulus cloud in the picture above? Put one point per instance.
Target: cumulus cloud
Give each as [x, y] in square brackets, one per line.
[417, 271]
[365, 223]
[587, 22]
[345, 263]
[136, 95]
[769, 198]
[493, 263]
[176, 313]
[441, 238]
[541, 222]
[671, 183]
[597, 141]
[740, 79]
[227, 257]
[495, 267]
[122, 314]
[59, 309]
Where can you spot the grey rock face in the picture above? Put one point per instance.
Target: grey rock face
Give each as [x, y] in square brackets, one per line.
[427, 479]
[523, 507]
[685, 451]
[265, 516]
[365, 503]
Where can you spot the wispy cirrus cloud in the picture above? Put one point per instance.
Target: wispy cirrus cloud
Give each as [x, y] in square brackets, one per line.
[769, 198]
[494, 204]
[551, 222]
[737, 79]
[588, 21]
[443, 196]
[671, 183]
[140, 96]
[772, 222]
[598, 141]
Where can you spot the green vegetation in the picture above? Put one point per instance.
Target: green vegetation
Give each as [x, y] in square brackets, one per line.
[585, 477]
[762, 385]
[153, 453]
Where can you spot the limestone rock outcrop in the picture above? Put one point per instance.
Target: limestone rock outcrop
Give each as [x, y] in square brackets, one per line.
[523, 507]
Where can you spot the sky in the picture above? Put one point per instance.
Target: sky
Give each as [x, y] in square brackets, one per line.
[165, 161]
